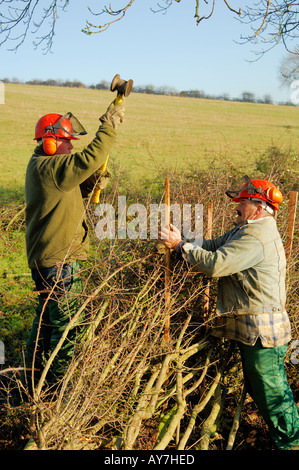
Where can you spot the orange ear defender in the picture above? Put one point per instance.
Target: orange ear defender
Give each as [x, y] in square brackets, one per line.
[50, 145]
[273, 194]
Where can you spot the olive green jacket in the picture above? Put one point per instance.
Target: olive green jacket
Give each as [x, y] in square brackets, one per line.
[56, 228]
[251, 267]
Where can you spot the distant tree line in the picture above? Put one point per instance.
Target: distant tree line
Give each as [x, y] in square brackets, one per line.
[246, 96]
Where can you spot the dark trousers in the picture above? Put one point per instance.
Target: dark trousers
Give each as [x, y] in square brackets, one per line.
[266, 382]
[58, 301]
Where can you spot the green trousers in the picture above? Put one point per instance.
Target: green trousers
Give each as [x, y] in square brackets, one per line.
[266, 382]
[52, 316]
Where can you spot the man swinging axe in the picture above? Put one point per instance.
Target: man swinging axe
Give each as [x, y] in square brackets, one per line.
[251, 266]
[56, 229]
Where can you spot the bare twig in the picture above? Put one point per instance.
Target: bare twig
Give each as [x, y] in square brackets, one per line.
[236, 421]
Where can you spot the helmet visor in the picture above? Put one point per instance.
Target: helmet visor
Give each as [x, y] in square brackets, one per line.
[69, 127]
[241, 185]
[77, 127]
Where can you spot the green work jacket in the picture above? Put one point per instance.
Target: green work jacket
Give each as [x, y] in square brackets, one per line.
[56, 228]
[250, 265]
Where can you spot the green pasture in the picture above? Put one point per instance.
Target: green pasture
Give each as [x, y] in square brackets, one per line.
[159, 133]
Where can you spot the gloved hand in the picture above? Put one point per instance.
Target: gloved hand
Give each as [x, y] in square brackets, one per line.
[99, 179]
[103, 179]
[114, 114]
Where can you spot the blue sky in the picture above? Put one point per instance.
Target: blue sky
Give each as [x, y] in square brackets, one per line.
[152, 48]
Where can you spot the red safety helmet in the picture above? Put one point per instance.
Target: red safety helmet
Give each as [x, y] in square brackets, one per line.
[56, 125]
[257, 189]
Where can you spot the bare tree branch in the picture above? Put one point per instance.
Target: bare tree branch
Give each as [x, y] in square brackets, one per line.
[271, 21]
[265, 18]
[90, 28]
[16, 21]
[206, 17]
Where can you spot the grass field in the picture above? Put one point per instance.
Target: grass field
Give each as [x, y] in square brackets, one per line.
[159, 133]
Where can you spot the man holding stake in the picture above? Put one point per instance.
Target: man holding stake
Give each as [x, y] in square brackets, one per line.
[250, 264]
[56, 229]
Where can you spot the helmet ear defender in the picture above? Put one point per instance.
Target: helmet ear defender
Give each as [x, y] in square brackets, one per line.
[274, 195]
[50, 145]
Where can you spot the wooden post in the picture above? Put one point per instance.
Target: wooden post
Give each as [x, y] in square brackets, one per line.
[209, 235]
[167, 261]
[293, 198]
